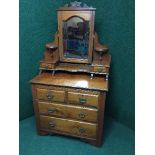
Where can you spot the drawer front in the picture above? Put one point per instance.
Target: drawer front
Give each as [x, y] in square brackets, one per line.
[99, 69]
[51, 95]
[68, 126]
[83, 99]
[67, 111]
[46, 66]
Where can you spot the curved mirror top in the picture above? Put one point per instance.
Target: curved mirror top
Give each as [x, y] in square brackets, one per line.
[75, 38]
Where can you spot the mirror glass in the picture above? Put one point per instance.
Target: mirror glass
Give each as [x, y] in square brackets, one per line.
[75, 38]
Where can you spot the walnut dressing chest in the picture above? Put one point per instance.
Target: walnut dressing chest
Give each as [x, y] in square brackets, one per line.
[70, 91]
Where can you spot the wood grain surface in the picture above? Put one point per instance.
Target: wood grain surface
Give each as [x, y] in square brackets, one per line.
[69, 126]
[68, 111]
[72, 80]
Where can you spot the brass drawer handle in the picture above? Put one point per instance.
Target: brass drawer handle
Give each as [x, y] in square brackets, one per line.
[46, 67]
[51, 110]
[82, 130]
[52, 124]
[82, 115]
[49, 96]
[99, 69]
[82, 100]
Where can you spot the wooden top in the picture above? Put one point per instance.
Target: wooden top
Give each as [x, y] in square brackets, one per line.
[72, 80]
[51, 46]
[101, 48]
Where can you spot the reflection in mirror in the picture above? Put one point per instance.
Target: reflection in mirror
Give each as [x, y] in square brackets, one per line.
[75, 38]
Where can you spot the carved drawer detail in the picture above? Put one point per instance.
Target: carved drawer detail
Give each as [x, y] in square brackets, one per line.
[51, 95]
[68, 111]
[83, 99]
[72, 127]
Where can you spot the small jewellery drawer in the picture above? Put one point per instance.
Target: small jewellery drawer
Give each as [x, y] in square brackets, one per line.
[45, 65]
[51, 95]
[68, 111]
[78, 128]
[83, 99]
[99, 69]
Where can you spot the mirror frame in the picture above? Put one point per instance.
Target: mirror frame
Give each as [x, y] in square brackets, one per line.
[87, 15]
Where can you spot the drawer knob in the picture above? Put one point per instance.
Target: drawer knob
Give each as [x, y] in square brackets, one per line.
[50, 96]
[51, 124]
[51, 110]
[82, 130]
[82, 115]
[82, 100]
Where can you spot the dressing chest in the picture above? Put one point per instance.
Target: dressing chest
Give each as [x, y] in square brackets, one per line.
[70, 90]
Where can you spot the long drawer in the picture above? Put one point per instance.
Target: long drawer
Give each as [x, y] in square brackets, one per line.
[83, 99]
[71, 127]
[51, 95]
[68, 111]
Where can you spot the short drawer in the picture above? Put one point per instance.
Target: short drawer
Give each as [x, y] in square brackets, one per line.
[71, 127]
[51, 95]
[46, 65]
[99, 69]
[68, 111]
[83, 99]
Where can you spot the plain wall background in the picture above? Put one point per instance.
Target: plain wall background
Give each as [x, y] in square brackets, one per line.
[114, 22]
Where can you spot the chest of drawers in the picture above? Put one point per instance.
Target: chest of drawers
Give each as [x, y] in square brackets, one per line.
[70, 104]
